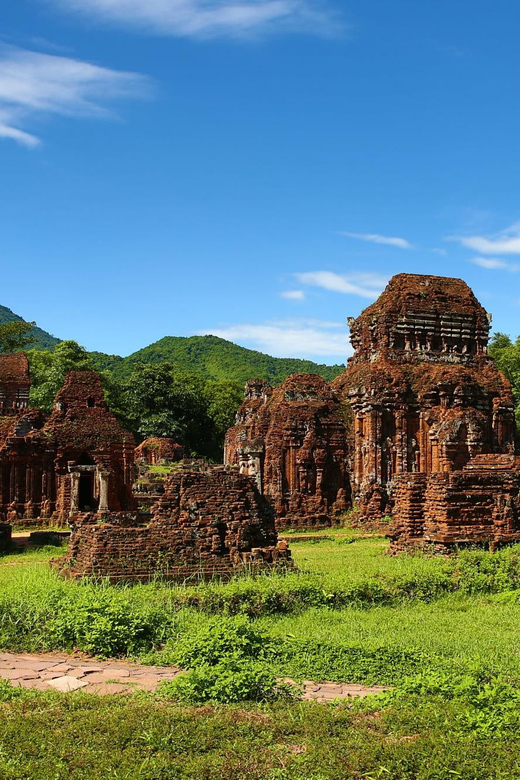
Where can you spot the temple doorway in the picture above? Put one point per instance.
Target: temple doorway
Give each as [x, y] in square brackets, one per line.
[86, 492]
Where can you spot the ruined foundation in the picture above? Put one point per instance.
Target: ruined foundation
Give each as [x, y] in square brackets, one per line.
[478, 505]
[207, 524]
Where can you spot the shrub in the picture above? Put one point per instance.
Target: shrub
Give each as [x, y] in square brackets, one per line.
[225, 637]
[228, 682]
[487, 705]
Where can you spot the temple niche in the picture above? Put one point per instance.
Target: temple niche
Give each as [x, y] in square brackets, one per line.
[78, 459]
[425, 396]
[292, 440]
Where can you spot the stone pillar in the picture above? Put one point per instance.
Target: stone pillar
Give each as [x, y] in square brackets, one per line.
[257, 467]
[74, 492]
[103, 491]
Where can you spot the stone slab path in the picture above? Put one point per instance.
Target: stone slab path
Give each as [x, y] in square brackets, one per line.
[65, 673]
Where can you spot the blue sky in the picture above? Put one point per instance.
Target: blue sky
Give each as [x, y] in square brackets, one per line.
[256, 169]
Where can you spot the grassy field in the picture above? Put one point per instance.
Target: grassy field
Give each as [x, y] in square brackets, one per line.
[443, 632]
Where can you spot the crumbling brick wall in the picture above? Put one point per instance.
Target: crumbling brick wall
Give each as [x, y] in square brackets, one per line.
[477, 505]
[207, 523]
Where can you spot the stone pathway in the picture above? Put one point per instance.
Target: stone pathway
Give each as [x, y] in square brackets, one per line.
[67, 673]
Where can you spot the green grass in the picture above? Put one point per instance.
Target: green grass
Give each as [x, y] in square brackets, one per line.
[350, 613]
[81, 737]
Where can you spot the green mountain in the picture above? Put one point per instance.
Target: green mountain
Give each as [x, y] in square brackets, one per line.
[210, 356]
[216, 358]
[42, 339]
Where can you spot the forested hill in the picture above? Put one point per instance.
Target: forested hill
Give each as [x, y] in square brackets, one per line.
[208, 356]
[215, 358]
[42, 339]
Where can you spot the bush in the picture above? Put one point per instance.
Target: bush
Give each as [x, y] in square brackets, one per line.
[232, 680]
[9, 693]
[218, 638]
[95, 619]
[107, 624]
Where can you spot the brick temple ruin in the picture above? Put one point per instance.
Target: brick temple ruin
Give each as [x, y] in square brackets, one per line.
[211, 522]
[419, 401]
[424, 394]
[292, 440]
[78, 459]
[77, 468]
[420, 426]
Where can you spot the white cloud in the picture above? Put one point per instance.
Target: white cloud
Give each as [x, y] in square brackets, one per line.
[35, 85]
[375, 238]
[291, 338]
[493, 263]
[507, 242]
[365, 285]
[293, 295]
[210, 18]
[441, 252]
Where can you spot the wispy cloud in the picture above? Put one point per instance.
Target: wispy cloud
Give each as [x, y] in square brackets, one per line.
[365, 285]
[211, 18]
[375, 238]
[290, 338]
[495, 264]
[35, 86]
[507, 242]
[293, 295]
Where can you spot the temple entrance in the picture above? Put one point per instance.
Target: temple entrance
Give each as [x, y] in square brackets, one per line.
[86, 492]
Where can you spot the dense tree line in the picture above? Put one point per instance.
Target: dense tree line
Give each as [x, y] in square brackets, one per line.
[155, 400]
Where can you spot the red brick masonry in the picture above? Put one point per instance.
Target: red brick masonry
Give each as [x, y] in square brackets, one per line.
[207, 523]
[478, 505]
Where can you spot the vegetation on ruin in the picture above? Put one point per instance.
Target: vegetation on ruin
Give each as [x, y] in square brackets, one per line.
[443, 633]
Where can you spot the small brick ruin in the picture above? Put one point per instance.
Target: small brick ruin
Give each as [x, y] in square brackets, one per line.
[79, 458]
[207, 523]
[477, 505]
[156, 451]
[153, 458]
[292, 440]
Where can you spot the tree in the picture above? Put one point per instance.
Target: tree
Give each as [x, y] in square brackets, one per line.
[49, 369]
[160, 402]
[15, 336]
[223, 399]
[507, 357]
